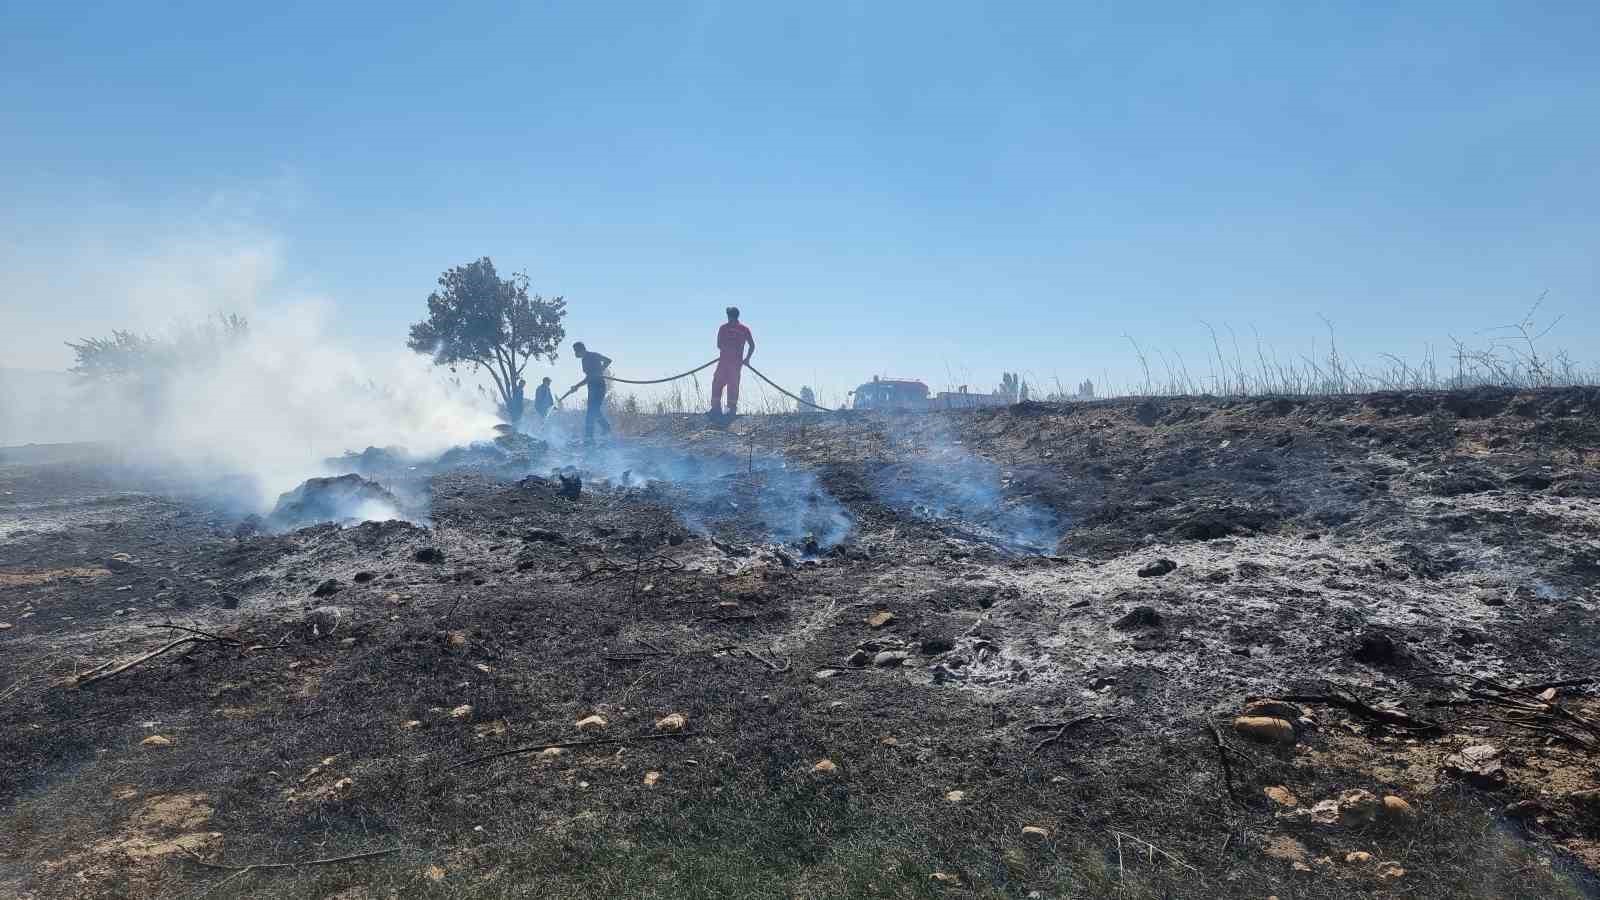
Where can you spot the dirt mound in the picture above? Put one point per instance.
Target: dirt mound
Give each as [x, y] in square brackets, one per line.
[341, 499]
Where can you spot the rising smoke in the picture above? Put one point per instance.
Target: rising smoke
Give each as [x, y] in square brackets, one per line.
[249, 422]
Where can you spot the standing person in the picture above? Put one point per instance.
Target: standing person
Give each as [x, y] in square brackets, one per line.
[519, 402]
[594, 375]
[543, 400]
[732, 340]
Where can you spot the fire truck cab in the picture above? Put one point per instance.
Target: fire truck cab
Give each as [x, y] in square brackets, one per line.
[891, 393]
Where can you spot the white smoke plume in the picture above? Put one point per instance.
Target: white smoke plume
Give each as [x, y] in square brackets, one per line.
[263, 413]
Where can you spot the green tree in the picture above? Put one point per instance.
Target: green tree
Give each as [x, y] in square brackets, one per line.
[491, 324]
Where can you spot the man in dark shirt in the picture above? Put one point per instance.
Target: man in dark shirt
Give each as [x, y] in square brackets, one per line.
[732, 339]
[594, 375]
[543, 399]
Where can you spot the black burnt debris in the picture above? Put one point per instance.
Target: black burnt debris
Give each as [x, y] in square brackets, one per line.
[1128, 598]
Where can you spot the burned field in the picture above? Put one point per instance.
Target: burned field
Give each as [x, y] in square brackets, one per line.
[1292, 648]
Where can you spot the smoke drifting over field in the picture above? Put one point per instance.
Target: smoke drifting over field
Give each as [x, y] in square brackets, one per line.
[253, 416]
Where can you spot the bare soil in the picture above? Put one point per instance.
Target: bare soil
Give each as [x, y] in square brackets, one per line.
[947, 608]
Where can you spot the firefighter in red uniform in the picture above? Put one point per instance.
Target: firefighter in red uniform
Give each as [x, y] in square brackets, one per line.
[732, 340]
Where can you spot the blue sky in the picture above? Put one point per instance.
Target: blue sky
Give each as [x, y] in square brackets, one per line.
[932, 190]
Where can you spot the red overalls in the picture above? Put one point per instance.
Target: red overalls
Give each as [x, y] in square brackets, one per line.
[731, 339]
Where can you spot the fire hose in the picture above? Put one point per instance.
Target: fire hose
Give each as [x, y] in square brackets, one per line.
[701, 368]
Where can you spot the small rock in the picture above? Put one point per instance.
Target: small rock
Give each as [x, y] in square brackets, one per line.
[933, 646]
[651, 779]
[880, 618]
[1358, 808]
[1396, 809]
[1524, 809]
[1267, 729]
[6, 626]
[1282, 796]
[1478, 765]
[433, 873]
[411, 723]
[859, 659]
[1138, 617]
[429, 555]
[955, 796]
[551, 752]
[1358, 858]
[1389, 869]
[364, 577]
[887, 658]
[457, 640]
[344, 784]
[1374, 647]
[328, 588]
[1158, 568]
[348, 642]
[1547, 695]
[589, 723]
[945, 878]
[462, 711]
[156, 740]
[672, 722]
[1036, 833]
[824, 767]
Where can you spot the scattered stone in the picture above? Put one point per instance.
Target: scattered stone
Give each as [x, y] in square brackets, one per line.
[156, 740]
[1396, 809]
[1478, 765]
[1358, 808]
[1374, 648]
[1138, 617]
[551, 752]
[6, 626]
[888, 658]
[824, 767]
[673, 722]
[457, 640]
[1389, 869]
[1158, 568]
[434, 873]
[571, 486]
[1036, 833]
[859, 659]
[429, 555]
[411, 723]
[364, 577]
[651, 779]
[880, 618]
[1524, 809]
[462, 711]
[589, 723]
[1267, 729]
[933, 646]
[1282, 796]
[955, 796]
[1548, 695]
[1358, 858]
[348, 642]
[945, 878]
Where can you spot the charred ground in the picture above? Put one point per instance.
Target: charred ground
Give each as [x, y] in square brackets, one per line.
[975, 651]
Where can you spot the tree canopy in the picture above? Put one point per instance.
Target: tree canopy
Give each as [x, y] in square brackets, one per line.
[478, 319]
